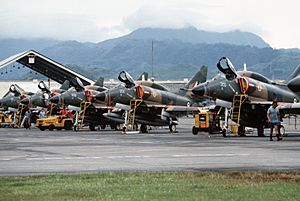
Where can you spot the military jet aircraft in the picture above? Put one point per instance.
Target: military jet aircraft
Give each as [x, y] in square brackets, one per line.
[14, 96]
[75, 95]
[79, 94]
[94, 115]
[260, 93]
[157, 107]
[41, 98]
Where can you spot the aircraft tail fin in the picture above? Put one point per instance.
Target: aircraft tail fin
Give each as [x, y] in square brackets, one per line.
[143, 77]
[100, 82]
[198, 78]
[65, 85]
[296, 73]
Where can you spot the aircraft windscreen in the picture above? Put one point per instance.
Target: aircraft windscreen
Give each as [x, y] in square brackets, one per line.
[226, 67]
[42, 86]
[226, 64]
[127, 79]
[79, 82]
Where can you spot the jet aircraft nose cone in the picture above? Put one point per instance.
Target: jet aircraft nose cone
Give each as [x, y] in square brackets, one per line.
[54, 99]
[25, 101]
[101, 96]
[199, 90]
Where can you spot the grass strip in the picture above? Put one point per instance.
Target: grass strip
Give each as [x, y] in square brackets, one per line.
[154, 186]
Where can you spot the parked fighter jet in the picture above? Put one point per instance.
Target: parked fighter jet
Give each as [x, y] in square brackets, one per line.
[41, 98]
[260, 92]
[14, 96]
[79, 94]
[157, 108]
[75, 95]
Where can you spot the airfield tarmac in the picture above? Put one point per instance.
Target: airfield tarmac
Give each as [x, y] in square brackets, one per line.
[30, 152]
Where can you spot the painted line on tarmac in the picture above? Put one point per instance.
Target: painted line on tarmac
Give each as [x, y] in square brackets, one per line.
[124, 157]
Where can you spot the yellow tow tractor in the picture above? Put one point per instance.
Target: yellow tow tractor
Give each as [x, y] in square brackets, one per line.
[6, 120]
[55, 122]
[207, 120]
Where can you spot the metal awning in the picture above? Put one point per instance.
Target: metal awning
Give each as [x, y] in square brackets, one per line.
[46, 66]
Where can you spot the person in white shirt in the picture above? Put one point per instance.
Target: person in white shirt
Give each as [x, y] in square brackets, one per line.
[42, 114]
[274, 120]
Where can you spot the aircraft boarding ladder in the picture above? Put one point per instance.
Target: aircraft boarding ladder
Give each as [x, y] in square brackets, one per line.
[237, 103]
[79, 119]
[130, 116]
[50, 109]
[19, 114]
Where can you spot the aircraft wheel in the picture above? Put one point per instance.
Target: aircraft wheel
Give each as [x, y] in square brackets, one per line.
[117, 127]
[143, 128]
[103, 127]
[281, 130]
[224, 132]
[76, 128]
[124, 129]
[92, 127]
[210, 130]
[68, 125]
[113, 126]
[195, 130]
[172, 128]
[241, 130]
[51, 127]
[260, 131]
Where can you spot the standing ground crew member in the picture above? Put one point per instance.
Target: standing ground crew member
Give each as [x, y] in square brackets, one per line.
[64, 111]
[274, 120]
[27, 118]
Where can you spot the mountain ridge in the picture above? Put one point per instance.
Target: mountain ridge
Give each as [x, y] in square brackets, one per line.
[176, 55]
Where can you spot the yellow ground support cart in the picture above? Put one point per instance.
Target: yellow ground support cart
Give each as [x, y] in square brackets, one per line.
[6, 120]
[55, 122]
[206, 121]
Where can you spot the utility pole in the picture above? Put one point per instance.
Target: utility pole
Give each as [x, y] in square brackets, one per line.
[152, 77]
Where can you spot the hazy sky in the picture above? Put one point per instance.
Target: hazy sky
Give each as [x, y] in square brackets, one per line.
[277, 21]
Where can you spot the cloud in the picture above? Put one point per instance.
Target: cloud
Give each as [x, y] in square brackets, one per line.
[90, 20]
[211, 17]
[97, 20]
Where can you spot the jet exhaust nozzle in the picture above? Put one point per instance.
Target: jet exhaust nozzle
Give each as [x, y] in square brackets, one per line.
[199, 90]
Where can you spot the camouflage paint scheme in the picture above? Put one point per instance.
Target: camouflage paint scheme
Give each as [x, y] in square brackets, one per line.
[155, 100]
[39, 100]
[260, 90]
[14, 96]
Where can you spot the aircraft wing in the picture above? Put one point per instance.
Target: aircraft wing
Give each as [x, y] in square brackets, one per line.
[289, 108]
[101, 106]
[284, 108]
[157, 109]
